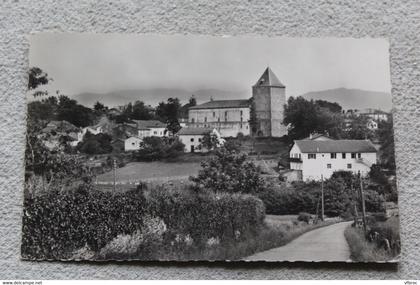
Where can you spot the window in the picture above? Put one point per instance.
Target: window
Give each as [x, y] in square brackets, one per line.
[353, 155]
[192, 140]
[192, 120]
[348, 165]
[343, 155]
[218, 119]
[199, 139]
[311, 155]
[359, 155]
[329, 165]
[214, 114]
[155, 132]
[205, 119]
[242, 112]
[133, 143]
[241, 126]
[333, 155]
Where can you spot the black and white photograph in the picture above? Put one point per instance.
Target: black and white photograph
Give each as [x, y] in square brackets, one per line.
[209, 148]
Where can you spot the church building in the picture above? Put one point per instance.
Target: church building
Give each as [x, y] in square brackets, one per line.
[231, 117]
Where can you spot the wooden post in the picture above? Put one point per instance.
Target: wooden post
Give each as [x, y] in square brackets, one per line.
[322, 197]
[115, 173]
[362, 197]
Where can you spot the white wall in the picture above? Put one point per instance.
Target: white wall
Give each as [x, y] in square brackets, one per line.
[227, 121]
[132, 144]
[312, 169]
[186, 140]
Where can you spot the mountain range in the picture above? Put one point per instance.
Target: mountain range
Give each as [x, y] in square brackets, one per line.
[354, 98]
[347, 98]
[154, 96]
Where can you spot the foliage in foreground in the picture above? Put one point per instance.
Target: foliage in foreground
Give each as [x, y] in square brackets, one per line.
[382, 242]
[229, 172]
[172, 224]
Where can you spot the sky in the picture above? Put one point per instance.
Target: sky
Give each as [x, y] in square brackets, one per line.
[103, 63]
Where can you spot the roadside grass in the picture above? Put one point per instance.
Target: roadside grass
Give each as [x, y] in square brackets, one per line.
[382, 245]
[361, 250]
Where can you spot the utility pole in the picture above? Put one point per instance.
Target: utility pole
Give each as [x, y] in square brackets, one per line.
[322, 197]
[362, 196]
[115, 172]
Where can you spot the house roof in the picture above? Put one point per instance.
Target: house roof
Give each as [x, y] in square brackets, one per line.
[60, 126]
[146, 124]
[194, 131]
[220, 104]
[268, 78]
[328, 146]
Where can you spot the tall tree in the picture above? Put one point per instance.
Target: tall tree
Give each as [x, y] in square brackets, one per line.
[386, 138]
[169, 112]
[37, 77]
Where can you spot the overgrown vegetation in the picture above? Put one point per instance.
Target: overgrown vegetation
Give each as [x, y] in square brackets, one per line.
[381, 243]
[159, 148]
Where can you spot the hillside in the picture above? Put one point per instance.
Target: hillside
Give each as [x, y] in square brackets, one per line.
[353, 98]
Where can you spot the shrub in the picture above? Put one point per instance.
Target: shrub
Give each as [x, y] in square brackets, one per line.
[157, 148]
[58, 223]
[95, 144]
[304, 217]
[228, 172]
[203, 216]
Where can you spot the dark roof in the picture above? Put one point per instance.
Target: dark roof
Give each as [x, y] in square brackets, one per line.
[195, 131]
[218, 104]
[268, 78]
[146, 124]
[311, 146]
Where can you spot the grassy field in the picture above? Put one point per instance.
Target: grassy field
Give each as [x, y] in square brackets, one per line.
[152, 171]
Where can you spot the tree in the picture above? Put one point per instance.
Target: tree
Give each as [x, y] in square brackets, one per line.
[169, 112]
[70, 111]
[387, 149]
[358, 129]
[332, 107]
[37, 77]
[253, 122]
[95, 144]
[99, 107]
[158, 148]
[141, 112]
[305, 117]
[210, 141]
[229, 172]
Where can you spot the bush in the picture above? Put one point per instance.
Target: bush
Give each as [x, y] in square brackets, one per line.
[158, 148]
[58, 223]
[304, 217]
[203, 216]
[228, 172]
[95, 144]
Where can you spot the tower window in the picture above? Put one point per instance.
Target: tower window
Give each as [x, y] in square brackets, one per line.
[333, 155]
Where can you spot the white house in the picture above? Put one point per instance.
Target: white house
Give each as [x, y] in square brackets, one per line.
[151, 128]
[132, 143]
[192, 138]
[313, 158]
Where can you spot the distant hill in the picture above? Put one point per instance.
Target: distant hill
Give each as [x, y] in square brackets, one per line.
[353, 98]
[154, 96]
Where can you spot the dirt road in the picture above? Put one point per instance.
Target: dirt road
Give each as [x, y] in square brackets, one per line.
[323, 244]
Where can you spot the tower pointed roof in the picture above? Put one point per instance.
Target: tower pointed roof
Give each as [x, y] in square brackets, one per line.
[268, 78]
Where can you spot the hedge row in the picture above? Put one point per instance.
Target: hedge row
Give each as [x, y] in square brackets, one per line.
[203, 216]
[58, 223]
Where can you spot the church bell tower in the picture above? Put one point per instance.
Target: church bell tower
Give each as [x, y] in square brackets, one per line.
[269, 96]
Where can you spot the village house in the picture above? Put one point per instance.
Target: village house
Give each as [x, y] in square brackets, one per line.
[151, 128]
[231, 117]
[313, 159]
[132, 143]
[192, 138]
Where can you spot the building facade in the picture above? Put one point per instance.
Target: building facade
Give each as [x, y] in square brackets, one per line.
[228, 117]
[269, 97]
[231, 117]
[192, 138]
[316, 159]
[132, 143]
